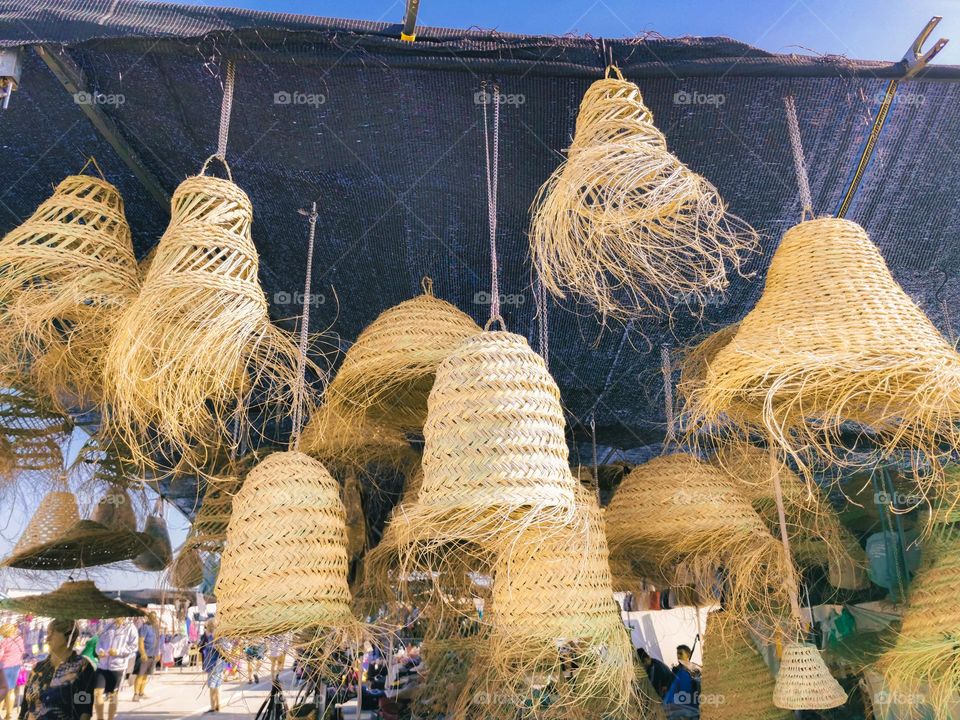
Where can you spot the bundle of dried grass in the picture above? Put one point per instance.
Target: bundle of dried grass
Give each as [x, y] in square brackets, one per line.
[495, 457]
[198, 341]
[623, 223]
[832, 341]
[677, 510]
[804, 681]
[66, 275]
[388, 372]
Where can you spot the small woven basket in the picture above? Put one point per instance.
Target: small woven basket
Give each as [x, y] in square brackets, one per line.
[804, 682]
[86, 544]
[209, 530]
[74, 600]
[186, 571]
[159, 553]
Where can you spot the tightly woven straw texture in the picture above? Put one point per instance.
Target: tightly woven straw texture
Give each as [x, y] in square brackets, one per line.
[67, 274]
[73, 600]
[925, 656]
[209, 530]
[834, 340]
[625, 224]
[86, 544]
[495, 456]
[285, 563]
[198, 340]
[54, 516]
[736, 680]
[115, 510]
[159, 552]
[186, 571]
[804, 682]
[388, 372]
[677, 510]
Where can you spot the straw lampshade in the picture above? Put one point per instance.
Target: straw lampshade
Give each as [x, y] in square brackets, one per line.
[54, 516]
[186, 571]
[85, 544]
[68, 273]
[388, 372]
[353, 440]
[159, 552]
[209, 530]
[284, 566]
[74, 600]
[32, 433]
[198, 339]
[834, 340]
[804, 682]
[625, 224]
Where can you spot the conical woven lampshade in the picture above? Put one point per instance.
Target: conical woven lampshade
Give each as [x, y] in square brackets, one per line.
[625, 224]
[186, 571]
[736, 682]
[85, 544]
[804, 682]
[388, 372]
[67, 274]
[74, 600]
[159, 552]
[188, 350]
[33, 433]
[284, 566]
[676, 509]
[834, 340]
[54, 516]
[495, 455]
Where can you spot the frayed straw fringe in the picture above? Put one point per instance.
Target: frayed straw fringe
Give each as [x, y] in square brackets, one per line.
[678, 513]
[198, 342]
[834, 341]
[32, 435]
[68, 273]
[623, 223]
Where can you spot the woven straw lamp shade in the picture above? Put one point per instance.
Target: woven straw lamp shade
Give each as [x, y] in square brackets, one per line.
[159, 553]
[388, 372]
[67, 274]
[85, 544]
[32, 435]
[676, 509]
[284, 566]
[209, 530]
[186, 571]
[54, 516]
[198, 338]
[623, 223]
[736, 682]
[804, 682]
[74, 600]
[495, 455]
[834, 339]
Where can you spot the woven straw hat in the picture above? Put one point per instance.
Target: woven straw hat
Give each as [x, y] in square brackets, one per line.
[285, 563]
[85, 544]
[388, 372]
[834, 339]
[159, 553]
[186, 571]
[54, 516]
[804, 682]
[74, 600]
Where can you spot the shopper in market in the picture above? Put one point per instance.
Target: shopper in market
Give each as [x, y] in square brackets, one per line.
[683, 697]
[11, 657]
[116, 645]
[213, 665]
[61, 685]
[661, 677]
[148, 648]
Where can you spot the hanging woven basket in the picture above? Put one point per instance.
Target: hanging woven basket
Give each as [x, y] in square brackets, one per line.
[33, 434]
[186, 571]
[86, 544]
[74, 600]
[804, 682]
[67, 274]
[832, 341]
[623, 223]
[284, 566]
[209, 530]
[115, 510]
[54, 516]
[198, 340]
[354, 441]
[159, 552]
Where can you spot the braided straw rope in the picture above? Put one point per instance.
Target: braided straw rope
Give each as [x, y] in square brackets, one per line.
[676, 511]
[85, 544]
[625, 224]
[495, 456]
[186, 571]
[198, 340]
[159, 552]
[73, 600]
[804, 682]
[834, 340]
[925, 656]
[284, 566]
[736, 682]
[67, 274]
[54, 516]
[388, 372]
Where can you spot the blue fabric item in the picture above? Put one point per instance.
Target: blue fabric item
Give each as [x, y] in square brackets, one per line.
[151, 641]
[682, 690]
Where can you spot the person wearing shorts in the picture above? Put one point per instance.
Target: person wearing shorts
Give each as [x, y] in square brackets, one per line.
[213, 666]
[116, 644]
[148, 648]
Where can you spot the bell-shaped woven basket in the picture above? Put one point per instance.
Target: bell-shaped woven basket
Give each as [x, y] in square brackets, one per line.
[284, 566]
[623, 223]
[804, 682]
[186, 571]
[74, 600]
[198, 340]
[834, 340]
[388, 372]
[85, 544]
[54, 516]
[159, 552]
[209, 530]
[33, 434]
[68, 272]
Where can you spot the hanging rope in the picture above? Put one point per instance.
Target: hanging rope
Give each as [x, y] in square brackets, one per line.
[492, 155]
[799, 162]
[596, 465]
[791, 579]
[301, 392]
[225, 109]
[669, 437]
[544, 327]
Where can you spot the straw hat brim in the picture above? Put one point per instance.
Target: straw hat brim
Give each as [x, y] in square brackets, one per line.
[72, 601]
[86, 544]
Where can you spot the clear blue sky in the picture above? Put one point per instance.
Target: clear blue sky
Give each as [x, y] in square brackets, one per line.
[863, 29]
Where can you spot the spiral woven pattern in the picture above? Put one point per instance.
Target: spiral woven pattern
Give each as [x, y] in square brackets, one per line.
[66, 274]
[804, 682]
[834, 339]
[625, 224]
[54, 516]
[74, 600]
[284, 566]
[85, 544]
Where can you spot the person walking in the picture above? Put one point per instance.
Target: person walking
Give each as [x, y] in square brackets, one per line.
[61, 685]
[115, 646]
[11, 658]
[213, 665]
[148, 648]
[277, 652]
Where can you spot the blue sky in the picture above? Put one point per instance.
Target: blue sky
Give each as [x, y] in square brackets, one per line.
[864, 29]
